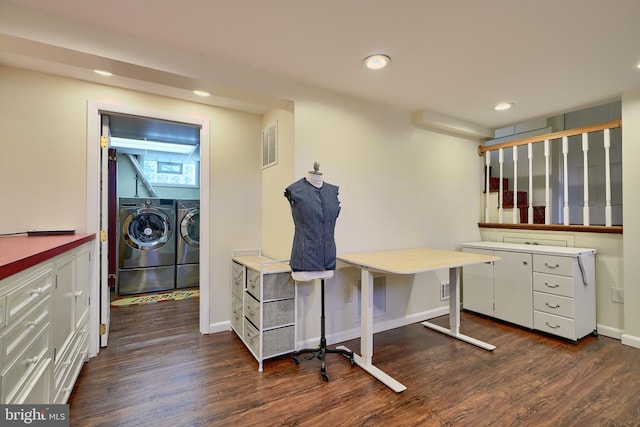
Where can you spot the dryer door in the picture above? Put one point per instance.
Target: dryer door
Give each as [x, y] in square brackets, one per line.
[147, 229]
[190, 228]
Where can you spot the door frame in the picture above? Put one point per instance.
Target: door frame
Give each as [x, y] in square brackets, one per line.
[94, 109]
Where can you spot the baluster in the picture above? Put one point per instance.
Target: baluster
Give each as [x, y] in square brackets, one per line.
[516, 210]
[530, 193]
[565, 153]
[487, 162]
[585, 186]
[547, 188]
[607, 173]
[500, 186]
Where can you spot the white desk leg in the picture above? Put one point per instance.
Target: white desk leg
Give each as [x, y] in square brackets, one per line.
[454, 314]
[366, 316]
[454, 300]
[366, 335]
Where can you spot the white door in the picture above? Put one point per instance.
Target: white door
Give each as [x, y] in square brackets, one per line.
[477, 282]
[513, 287]
[105, 294]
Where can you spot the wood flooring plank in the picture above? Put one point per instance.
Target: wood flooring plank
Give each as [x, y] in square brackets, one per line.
[159, 370]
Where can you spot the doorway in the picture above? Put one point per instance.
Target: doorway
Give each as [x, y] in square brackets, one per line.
[99, 316]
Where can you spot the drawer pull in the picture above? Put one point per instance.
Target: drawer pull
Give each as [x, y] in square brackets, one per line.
[551, 266]
[32, 361]
[552, 305]
[556, 326]
[79, 293]
[524, 263]
[32, 324]
[552, 286]
[36, 291]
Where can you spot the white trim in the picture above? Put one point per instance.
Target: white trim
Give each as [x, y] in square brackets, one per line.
[631, 340]
[377, 327]
[94, 108]
[610, 332]
[224, 326]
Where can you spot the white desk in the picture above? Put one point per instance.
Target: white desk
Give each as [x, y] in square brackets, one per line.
[409, 261]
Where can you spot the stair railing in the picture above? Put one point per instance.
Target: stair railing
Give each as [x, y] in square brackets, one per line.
[546, 139]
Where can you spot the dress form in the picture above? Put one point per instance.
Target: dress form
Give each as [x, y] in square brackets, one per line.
[314, 178]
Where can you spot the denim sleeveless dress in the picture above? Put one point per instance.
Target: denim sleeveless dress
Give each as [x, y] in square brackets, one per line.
[314, 212]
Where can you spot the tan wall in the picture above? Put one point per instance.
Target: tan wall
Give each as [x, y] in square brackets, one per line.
[631, 198]
[43, 135]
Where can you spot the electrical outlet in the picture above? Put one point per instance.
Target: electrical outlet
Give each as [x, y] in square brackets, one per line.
[617, 295]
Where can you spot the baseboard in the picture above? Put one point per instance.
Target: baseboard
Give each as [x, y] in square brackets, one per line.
[378, 326]
[610, 332]
[631, 340]
[220, 327]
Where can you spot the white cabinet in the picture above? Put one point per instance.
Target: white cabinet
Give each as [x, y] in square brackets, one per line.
[263, 305]
[26, 350]
[43, 329]
[547, 288]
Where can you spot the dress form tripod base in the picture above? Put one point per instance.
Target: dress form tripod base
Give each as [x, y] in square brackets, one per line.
[321, 351]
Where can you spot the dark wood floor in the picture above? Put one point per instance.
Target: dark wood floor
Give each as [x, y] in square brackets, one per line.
[158, 370]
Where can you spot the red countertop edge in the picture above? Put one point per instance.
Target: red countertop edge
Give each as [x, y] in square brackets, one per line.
[18, 253]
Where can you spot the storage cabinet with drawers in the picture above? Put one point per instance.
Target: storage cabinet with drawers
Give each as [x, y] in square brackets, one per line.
[263, 305]
[547, 288]
[43, 329]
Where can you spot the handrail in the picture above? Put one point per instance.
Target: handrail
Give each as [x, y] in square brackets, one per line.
[553, 135]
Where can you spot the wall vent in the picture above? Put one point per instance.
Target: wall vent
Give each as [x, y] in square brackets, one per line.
[444, 291]
[270, 145]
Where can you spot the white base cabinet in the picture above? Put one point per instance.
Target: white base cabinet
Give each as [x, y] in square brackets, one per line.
[547, 288]
[43, 329]
[263, 306]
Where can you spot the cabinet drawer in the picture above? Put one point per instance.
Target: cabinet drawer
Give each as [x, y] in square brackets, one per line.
[551, 264]
[276, 341]
[237, 279]
[3, 310]
[236, 314]
[24, 366]
[276, 285]
[556, 325]
[274, 313]
[24, 330]
[558, 285]
[66, 376]
[22, 299]
[38, 391]
[554, 304]
[251, 338]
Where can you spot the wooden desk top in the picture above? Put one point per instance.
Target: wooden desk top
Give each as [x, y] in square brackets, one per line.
[269, 265]
[17, 253]
[416, 260]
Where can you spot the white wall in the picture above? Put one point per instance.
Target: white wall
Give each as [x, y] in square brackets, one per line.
[400, 187]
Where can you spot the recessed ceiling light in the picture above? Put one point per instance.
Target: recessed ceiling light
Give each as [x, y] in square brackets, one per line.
[376, 62]
[503, 106]
[103, 73]
[201, 93]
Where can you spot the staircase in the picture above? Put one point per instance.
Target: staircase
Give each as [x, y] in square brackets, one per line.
[508, 204]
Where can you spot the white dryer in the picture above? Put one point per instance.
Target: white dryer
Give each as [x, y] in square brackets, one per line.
[188, 243]
[147, 248]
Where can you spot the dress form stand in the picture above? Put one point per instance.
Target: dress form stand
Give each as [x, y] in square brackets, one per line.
[315, 178]
[322, 350]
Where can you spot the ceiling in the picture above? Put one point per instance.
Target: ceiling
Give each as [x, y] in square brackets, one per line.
[455, 58]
